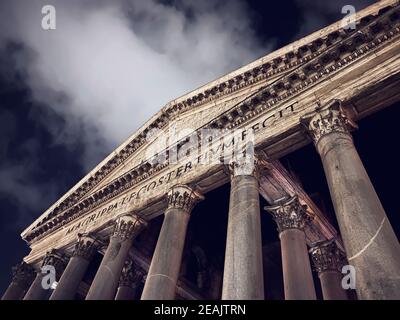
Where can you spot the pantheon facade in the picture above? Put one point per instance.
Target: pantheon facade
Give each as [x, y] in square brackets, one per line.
[122, 232]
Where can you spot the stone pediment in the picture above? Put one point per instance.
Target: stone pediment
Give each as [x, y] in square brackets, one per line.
[225, 104]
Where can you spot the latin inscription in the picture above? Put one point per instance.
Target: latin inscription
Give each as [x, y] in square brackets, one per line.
[210, 154]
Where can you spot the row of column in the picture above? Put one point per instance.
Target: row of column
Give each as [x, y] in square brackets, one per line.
[117, 276]
[371, 245]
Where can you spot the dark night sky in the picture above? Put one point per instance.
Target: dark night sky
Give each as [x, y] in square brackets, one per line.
[45, 151]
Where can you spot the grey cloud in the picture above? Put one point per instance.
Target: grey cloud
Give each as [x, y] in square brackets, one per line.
[20, 185]
[110, 65]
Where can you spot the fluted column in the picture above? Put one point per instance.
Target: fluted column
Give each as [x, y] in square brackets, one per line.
[328, 260]
[243, 270]
[39, 290]
[77, 266]
[105, 283]
[129, 282]
[166, 263]
[370, 242]
[23, 276]
[291, 218]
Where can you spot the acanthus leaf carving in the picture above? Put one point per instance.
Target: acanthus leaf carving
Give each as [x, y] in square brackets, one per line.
[183, 197]
[327, 256]
[86, 246]
[131, 274]
[326, 120]
[55, 259]
[289, 214]
[126, 226]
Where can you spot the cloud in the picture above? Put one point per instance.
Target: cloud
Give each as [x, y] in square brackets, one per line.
[109, 66]
[20, 178]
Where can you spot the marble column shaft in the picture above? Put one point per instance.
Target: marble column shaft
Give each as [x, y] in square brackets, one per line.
[37, 291]
[166, 262]
[328, 260]
[370, 242]
[23, 276]
[291, 218]
[105, 283]
[243, 271]
[76, 269]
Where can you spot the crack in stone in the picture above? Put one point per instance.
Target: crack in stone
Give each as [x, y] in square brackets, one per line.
[369, 242]
[161, 275]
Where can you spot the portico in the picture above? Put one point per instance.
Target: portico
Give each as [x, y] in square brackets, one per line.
[312, 91]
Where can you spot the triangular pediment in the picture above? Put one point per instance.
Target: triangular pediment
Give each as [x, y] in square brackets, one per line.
[263, 79]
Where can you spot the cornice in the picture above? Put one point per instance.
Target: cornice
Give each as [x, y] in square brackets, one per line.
[323, 58]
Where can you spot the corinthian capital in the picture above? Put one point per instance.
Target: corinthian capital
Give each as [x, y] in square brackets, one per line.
[131, 274]
[253, 166]
[23, 274]
[183, 197]
[327, 256]
[289, 214]
[126, 226]
[327, 119]
[55, 259]
[86, 246]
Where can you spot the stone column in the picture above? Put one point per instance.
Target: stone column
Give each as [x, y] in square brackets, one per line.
[23, 276]
[131, 278]
[291, 218]
[105, 283]
[77, 266]
[40, 288]
[243, 270]
[166, 263]
[370, 242]
[328, 260]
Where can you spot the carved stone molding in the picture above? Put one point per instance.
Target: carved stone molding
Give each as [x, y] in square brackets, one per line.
[183, 197]
[326, 256]
[252, 166]
[126, 226]
[326, 120]
[305, 67]
[289, 214]
[55, 259]
[131, 275]
[23, 274]
[86, 246]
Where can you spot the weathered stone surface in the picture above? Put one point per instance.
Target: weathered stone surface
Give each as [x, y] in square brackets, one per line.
[106, 281]
[23, 276]
[243, 271]
[126, 293]
[331, 285]
[76, 268]
[37, 291]
[164, 269]
[273, 115]
[266, 98]
[371, 244]
[291, 219]
[130, 280]
[328, 260]
[297, 276]
[277, 183]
